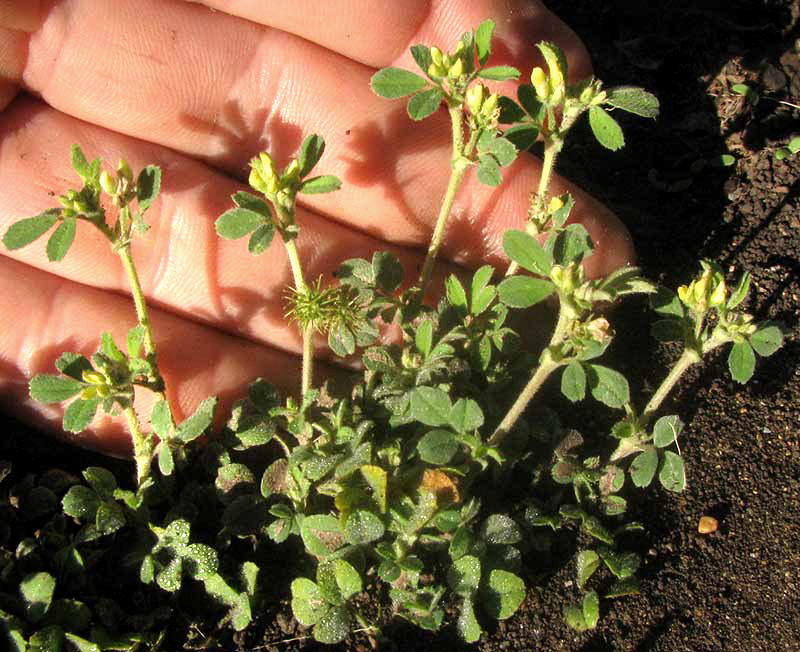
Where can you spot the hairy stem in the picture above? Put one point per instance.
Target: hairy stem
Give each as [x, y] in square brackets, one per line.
[456, 175]
[124, 252]
[537, 207]
[546, 366]
[688, 358]
[299, 286]
[142, 446]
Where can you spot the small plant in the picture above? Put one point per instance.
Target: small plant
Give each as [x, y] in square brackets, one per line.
[394, 484]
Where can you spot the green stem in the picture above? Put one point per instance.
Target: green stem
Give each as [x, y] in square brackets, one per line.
[142, 446]
[688, 358]
[537, 207]
[546, 366]
[458, 167]
[133, 279]
[299, 286]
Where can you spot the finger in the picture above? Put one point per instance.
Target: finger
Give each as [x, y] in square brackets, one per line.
[162, 84]
[379, 33]
[60, 315]
[184, 266]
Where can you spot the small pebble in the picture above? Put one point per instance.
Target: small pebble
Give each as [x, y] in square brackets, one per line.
[707, 525]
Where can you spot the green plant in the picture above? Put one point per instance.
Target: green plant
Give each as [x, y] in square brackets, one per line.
[393, 482]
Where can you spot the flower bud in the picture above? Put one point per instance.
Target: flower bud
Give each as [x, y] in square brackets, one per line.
[718, 295]
[555, 205]
[436, 71]
[684, 293]
[256, 182]
[93, 377]
[457, 69]
[124, 171]
[557, 274]
[108, 183]
[586, 95]
[490, 105]
[600, 98]
[539, 81]
[459, 49]
[88, 393]
[436, 56]
[474, 98]
[292, 171]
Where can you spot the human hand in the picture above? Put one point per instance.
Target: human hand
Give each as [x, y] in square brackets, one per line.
[199, 92]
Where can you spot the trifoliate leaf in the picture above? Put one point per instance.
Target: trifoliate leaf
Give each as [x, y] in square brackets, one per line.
[504, 594]
[672, 474]
[166, 462]
[526, 251]
[363, 526]
[634, 100]
[80, 502]
[392, 83]
[464, 575]
[37, 591]
[423, 338]
[591, 609]
[608, 386]
[524, 291]
[483, 40]
[307, 602]
[666, 430]
[739, 293]
[489, 171]
[741, 362]
[425, 103]
[422, 55]
[588, 563]
[148, 186]
[197, 424]
[25, 231]
[573, 382]
[333, 626]
[237, 223]
[643, 468]
[456, 294]
[79, 414]
[430, 405]
[437, 447]
[261, 238]
[499, 73]
[605, 129]
[466, 415]
[387, 271]
[571, 245]
[321, 534]
[319, 185]
[250, 202]
[621, 564]
[310, 153]
[49, 388]
[467, 624]
[200, 561]
[767, 339]
[500, 529]
[521, 136]
[161, 420]
[109, 518]
[73, 365]
[61, 240]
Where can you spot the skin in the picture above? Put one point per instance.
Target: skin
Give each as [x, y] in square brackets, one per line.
[199, 88]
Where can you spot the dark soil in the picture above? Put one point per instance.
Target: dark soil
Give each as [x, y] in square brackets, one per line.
[739, 587]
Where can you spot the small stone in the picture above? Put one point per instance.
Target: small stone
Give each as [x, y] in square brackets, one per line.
[707, 525]
[773, 79]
